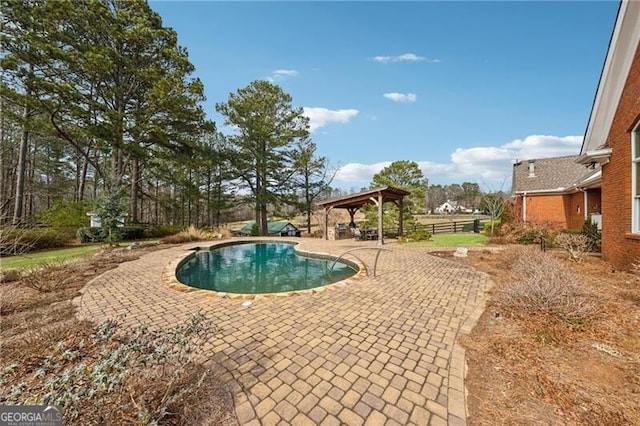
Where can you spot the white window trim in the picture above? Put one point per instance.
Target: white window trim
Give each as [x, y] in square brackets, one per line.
[635, 164]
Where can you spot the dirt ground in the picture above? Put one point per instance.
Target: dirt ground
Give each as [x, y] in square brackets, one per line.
[535, 371]
[37, 319]
[522, 370]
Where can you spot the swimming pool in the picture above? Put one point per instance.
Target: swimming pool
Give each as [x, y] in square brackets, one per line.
[257, 268]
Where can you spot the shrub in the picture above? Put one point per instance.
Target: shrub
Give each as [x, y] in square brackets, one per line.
[159, 231]
[594, 236]
[13, 241]
[487, 226]
[535, 236]
[98, 235]
[416, 235]
[23, 240]
[139, 376]
[10, 275]
[222, 232]
[576, 244]
[541, 285]
[110, 209]
[90, 235]
[190, 234]
[527, 233]
[129, 233]
[316, 233]
[48, 276]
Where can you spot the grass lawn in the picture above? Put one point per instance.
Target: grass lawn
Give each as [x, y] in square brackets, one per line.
[36, 258]
[33, 259]
[453, 240]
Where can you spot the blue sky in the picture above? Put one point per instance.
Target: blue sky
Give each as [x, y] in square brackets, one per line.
[462, 88]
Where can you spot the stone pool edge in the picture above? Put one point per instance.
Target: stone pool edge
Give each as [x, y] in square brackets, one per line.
[170, 280]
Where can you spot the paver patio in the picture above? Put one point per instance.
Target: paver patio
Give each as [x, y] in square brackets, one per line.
[378, 351]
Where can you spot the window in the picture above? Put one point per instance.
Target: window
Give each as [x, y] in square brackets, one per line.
[635, 179]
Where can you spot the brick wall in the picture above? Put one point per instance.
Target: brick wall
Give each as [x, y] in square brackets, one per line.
[566, 211]
[574, 210]
[619, 246]
[546, 209]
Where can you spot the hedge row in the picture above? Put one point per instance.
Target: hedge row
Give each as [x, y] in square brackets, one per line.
[128, 233]
[19, 240]
[15, 241]
[96, 235]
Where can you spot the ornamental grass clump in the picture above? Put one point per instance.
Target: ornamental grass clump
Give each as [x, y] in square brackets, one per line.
[188, 235]
[49, 275]
[542, 286]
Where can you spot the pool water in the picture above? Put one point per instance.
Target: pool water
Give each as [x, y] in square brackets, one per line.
[254, 268]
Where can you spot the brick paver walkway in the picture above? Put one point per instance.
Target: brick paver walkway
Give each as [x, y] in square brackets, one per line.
[379, 351]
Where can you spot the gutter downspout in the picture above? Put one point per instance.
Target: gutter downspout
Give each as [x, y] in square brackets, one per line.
[524, 207]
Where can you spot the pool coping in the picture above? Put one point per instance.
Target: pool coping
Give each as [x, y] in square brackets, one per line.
[170, 280]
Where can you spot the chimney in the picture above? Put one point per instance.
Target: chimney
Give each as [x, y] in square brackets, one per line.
[532, 168]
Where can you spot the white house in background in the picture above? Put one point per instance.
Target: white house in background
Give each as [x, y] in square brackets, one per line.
[95, 220]
[446, 207]
[451, 207]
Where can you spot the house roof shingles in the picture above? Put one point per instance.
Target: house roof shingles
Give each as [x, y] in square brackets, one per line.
[558, 173]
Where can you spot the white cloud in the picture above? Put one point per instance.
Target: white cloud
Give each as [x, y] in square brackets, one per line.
[319, 117]
[401, 97]
[540, 146]
[358, 172]
[285, 73]
[490, 165]
[405, 57]
[281, 74]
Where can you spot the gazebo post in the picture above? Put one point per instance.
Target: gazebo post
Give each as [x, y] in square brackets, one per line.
[352, 213]
[380, 210]
[400, 217]
[326, 222]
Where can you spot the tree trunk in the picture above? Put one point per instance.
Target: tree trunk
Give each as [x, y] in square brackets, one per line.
[307, 200]
[262, 200]
[135, 172]
[258, 213]
[218, 195]
[208, 202]
[22, 167]
[6, 176]
[30, 191]
[156, 206]
[83, 176]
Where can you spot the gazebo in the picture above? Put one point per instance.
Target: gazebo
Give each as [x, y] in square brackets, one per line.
[377, 196]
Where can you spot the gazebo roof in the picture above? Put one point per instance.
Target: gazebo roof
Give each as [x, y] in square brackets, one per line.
[355, 201]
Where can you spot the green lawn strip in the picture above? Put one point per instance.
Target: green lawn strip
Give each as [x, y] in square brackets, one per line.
[34, 259]
[453, 240]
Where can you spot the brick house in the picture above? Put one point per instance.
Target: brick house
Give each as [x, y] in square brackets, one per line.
[612, 140]
[556, 191]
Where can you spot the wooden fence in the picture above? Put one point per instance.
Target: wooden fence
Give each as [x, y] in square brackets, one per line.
[452, 227]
